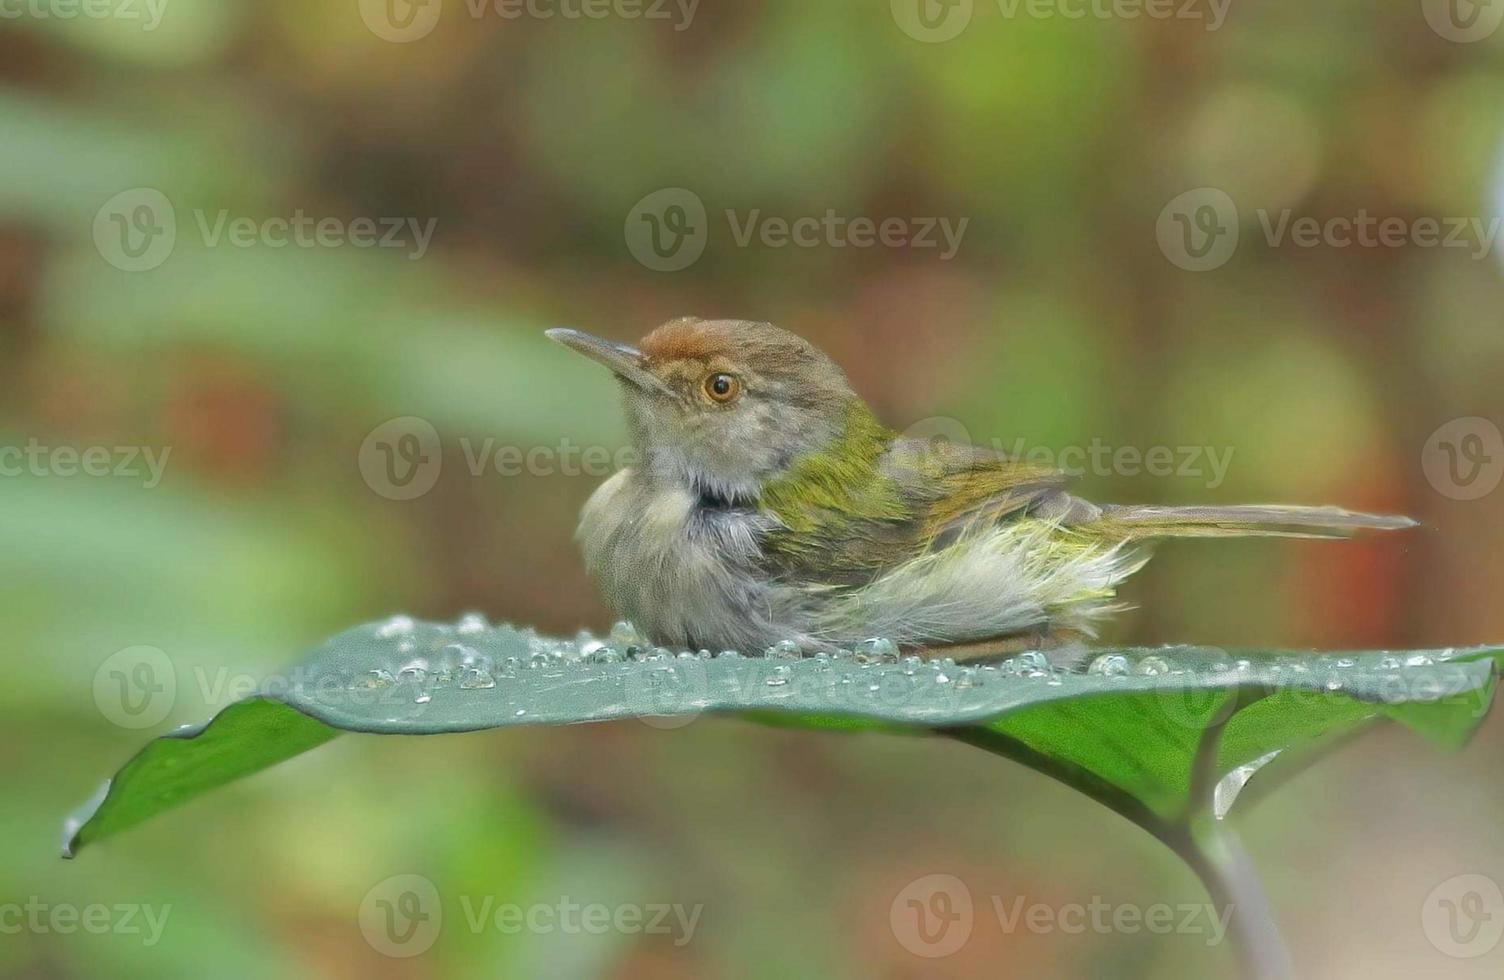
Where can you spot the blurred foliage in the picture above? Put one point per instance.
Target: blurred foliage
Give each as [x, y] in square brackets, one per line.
[528, 142]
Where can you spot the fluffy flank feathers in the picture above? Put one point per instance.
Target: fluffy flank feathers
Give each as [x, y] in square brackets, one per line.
[997, 580]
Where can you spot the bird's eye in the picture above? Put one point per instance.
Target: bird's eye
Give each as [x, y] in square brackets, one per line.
[722, 387]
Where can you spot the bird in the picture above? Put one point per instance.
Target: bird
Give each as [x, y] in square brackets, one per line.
[768, 507]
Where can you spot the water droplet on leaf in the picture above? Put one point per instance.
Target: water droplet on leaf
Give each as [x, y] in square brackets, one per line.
[1152, 666]
[394, 627]
[1109, 665]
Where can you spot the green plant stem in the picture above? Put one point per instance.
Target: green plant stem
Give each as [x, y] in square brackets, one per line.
[1212, 849]
[1207, 845]
[1216, 856]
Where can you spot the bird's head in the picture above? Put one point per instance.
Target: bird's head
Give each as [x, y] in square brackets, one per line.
[724, 406]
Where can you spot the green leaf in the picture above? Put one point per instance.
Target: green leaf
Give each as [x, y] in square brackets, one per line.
[245, 738]
[1128, 731]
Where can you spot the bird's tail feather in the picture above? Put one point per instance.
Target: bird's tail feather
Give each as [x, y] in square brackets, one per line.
[1271, 520]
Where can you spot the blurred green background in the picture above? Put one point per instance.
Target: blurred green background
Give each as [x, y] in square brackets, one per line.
[526, 143]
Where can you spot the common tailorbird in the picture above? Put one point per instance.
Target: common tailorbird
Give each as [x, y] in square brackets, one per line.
[771, 505]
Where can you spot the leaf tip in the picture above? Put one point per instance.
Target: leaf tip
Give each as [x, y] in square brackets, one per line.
[74, 823]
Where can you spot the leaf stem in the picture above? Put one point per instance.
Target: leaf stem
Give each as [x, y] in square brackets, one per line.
[1207, 845]
[1217, 857]
[1213, 851]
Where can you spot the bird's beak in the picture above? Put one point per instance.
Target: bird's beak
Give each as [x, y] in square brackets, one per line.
[624, 361]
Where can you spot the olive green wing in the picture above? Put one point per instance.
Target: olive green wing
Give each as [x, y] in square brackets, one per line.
[955, 487]
[910, 498]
